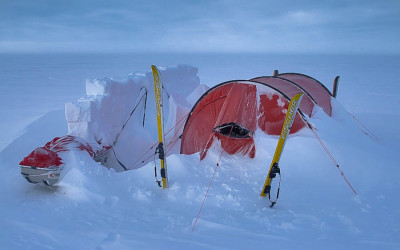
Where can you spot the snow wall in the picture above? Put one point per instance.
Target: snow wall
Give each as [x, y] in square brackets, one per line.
[118, 115]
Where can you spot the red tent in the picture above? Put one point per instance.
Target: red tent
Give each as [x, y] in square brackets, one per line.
[231, 112]
[290, 89]
[312, 87]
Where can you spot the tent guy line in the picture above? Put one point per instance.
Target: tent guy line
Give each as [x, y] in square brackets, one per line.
[330, 156]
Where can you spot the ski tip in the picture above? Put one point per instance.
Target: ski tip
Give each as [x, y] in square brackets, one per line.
[154, 68]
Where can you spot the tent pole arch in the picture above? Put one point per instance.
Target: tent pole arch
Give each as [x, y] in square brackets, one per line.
[282, 75]
[315, 88]
[256, 79]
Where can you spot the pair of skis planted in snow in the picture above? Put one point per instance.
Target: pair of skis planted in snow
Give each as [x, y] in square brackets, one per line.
[274, 168]
[159, 105]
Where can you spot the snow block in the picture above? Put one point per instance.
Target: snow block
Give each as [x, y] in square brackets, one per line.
[121, 111]
[81, 111]
[96, 86]
[184, 77]
[83, 129]
[197, 93]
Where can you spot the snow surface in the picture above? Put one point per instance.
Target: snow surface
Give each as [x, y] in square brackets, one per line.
[97, 208]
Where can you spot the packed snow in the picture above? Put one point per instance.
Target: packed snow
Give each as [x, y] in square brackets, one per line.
[94, 207]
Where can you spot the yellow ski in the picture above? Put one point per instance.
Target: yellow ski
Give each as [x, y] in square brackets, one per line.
[159, 106]
[274, 168]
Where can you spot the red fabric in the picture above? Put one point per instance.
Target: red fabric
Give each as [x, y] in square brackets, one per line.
[47, 156]
[272, 115]
[42, 157]
[244, 146]
[319, 93]
[201, 122]
[289, 89]
[61, 144]
[240, 106]
[233, 102]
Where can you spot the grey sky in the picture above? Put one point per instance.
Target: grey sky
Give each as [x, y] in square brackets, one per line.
[284, 26]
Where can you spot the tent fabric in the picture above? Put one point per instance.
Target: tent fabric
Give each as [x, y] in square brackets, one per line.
[240, 106]
[42, 157]
[228, 103]
[272, 115]
[316, 90]
[290, 89]
[243, 146]
[48, 155]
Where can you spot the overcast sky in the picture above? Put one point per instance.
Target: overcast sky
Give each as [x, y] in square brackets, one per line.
[283, 26]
